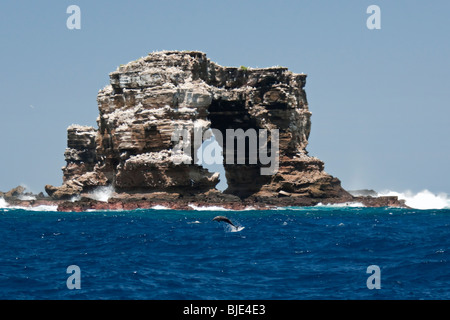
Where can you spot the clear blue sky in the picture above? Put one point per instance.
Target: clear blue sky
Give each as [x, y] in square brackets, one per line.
[379, 98]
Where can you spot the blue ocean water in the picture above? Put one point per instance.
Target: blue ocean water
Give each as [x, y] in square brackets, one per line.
[297, 253]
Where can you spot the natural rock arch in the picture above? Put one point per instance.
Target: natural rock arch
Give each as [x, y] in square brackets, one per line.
[148, 99]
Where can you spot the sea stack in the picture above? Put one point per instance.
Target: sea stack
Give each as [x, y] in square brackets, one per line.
[147, 100]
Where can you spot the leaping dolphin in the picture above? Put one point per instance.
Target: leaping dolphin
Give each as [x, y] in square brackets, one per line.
[224, 219]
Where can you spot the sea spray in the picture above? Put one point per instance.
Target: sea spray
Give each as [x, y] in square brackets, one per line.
[422, 200]
[102, 193]
[41, 208]
[24, 197]
[3, 203]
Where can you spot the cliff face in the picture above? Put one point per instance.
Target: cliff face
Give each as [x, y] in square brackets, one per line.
[149, 99]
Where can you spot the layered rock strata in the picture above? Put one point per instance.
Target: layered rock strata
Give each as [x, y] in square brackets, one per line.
[151, 98]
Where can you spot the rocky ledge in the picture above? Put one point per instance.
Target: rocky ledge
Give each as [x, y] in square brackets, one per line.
[151, 99]
[19, 198]
[212, 200]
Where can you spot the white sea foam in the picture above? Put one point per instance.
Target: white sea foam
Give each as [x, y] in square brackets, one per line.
[37, 208]
[341, 205]
[218, 208]
[5, 205]
[208, 208]
[160, 207]
[291, 208]
[102, 193]
[421, 200]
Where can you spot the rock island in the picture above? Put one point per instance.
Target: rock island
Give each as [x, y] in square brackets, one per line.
[147, 100]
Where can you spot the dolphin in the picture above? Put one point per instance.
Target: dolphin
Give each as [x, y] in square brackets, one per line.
[224, 219]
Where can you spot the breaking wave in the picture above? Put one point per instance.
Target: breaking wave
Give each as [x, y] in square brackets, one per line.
[37, 208]
[3, 203]
[422, 200]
